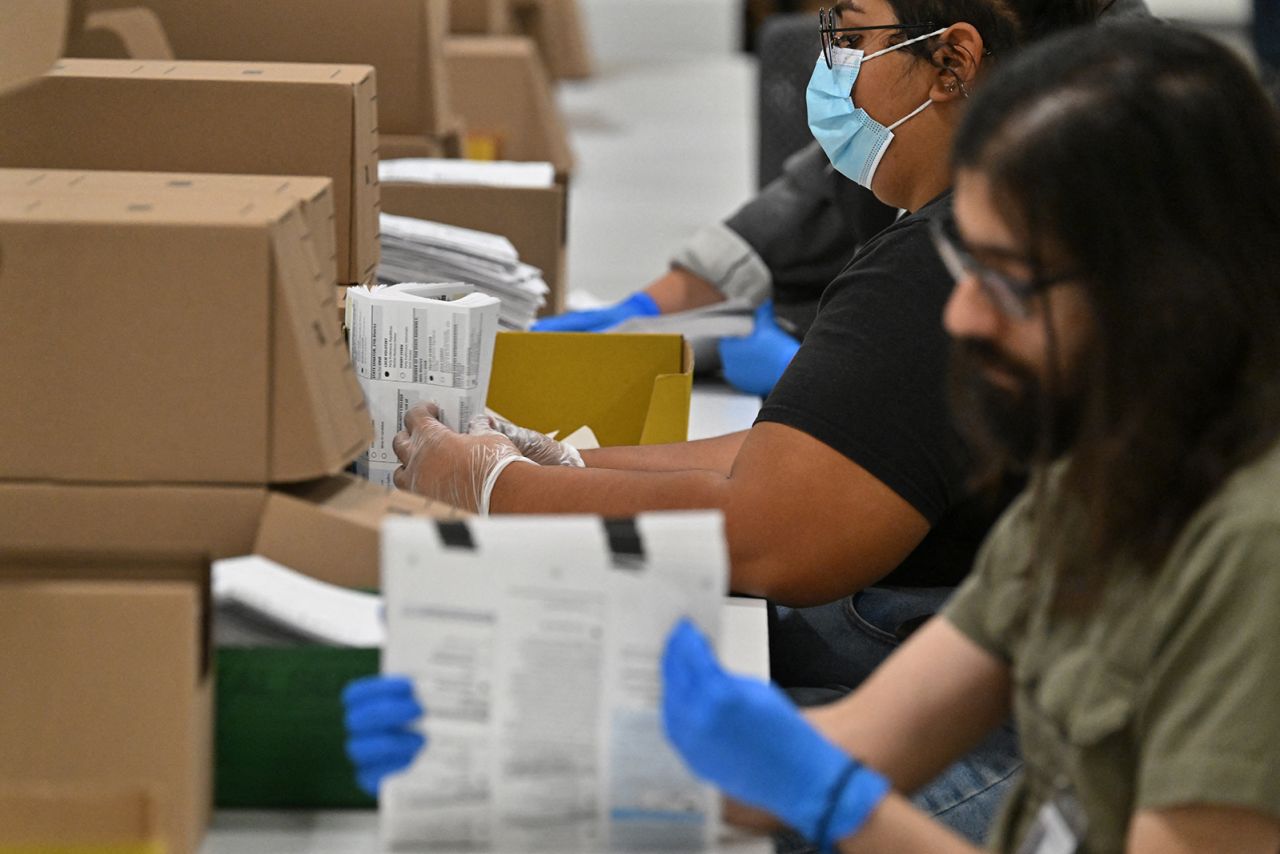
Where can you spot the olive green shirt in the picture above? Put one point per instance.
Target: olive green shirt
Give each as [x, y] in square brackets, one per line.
[1165, 692]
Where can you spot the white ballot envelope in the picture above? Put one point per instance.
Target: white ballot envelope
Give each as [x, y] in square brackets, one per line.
[419, 343]
[535, 646]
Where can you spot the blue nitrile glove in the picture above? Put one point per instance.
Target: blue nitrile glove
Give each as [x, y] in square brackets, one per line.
[599, 319]
[754, 364]
[747, 738]
[380, 711]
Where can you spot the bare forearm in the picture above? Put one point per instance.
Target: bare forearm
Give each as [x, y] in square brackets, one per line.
[972, 696]
[896, 825]
[715, 455]
[680, 290]
[605, 492]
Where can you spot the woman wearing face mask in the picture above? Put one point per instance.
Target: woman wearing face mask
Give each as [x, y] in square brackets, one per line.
[850, 492]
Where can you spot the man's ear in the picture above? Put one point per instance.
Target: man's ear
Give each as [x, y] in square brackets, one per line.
[958, 61]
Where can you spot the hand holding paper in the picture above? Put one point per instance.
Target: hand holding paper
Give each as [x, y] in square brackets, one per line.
[458, 469]
[539, 447]
[746, 737]
[380, 714]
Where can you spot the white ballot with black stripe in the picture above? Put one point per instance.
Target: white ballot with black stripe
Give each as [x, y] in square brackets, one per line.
[535, 646]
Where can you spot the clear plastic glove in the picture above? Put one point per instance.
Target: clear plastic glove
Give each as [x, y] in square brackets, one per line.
[599, 319]
[748, 739]
[381, 741]
[539, 447]
[459, 469]
[754, 364]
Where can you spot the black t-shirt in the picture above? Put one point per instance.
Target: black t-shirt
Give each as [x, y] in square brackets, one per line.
[870, 381]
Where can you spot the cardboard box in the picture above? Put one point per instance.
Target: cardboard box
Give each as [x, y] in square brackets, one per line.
[500, 88]
[629, 389]
[208, 352]
[314, 195]
[328, 529]
[206, 117]
[534, 220]
[402, 39]
[393, 146]
[105, 818]
[480, 17]
[32, 36]
[279, 727]
[557, 27]
[108, 659]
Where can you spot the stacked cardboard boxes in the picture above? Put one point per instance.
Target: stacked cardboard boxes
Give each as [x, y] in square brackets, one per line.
[171, 359]
[211, 117]
[402, 39]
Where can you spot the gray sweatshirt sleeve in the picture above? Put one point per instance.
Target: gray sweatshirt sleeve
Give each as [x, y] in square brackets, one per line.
[795, 236]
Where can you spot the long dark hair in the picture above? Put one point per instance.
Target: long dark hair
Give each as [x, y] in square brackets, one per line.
[1150, 158]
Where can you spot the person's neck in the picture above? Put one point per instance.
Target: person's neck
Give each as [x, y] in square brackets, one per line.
[926, 185]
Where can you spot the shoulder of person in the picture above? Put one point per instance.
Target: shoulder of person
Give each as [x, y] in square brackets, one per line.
[902, 253]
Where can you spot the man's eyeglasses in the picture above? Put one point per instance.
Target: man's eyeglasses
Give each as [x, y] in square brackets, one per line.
[834, 36]
[1011, 296]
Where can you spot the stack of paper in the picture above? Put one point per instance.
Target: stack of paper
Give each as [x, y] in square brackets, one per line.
[486, 173]
[418, 250]
[258, 602]
[419, 343]
[536, 644]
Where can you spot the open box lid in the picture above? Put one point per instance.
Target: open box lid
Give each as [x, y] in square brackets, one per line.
[629, 389]
[32, 36]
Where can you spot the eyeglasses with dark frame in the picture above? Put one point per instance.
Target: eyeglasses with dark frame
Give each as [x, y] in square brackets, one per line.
[827, 29]
[1011, 296]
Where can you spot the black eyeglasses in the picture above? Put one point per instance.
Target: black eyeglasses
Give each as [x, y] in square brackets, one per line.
[830, 32]
[1011, 296]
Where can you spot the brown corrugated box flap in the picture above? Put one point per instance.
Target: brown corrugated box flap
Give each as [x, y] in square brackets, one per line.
[86, 519]
[187, 364]
[500, 87]
[480, 17]
[32, 35]
[209, 117]
[329, 529]
[402, 39]
[315, 195]
[558, 28]
[532, 219]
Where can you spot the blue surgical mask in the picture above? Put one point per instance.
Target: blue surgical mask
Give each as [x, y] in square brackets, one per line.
[854, 142]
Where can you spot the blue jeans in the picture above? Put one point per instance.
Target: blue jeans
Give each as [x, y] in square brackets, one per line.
[820, 654]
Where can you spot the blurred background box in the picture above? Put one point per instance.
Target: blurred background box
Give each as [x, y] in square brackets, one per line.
[32, 39]
[402, 39]
[501, 89]
[558, 28]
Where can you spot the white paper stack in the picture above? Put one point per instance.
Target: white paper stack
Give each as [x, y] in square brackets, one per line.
[419, 343]
[537, 643]
[419, 250]
[486, 173]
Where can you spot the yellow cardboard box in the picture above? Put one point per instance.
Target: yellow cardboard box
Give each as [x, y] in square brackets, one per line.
[629, 389]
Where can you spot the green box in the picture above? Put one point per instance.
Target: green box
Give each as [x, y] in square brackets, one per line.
[279, 732]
